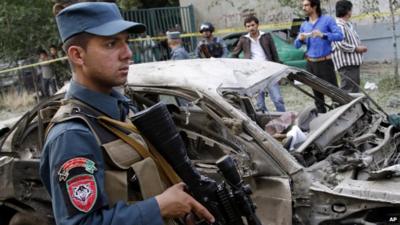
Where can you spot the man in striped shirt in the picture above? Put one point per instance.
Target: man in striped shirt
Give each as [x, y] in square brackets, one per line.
[347, 54]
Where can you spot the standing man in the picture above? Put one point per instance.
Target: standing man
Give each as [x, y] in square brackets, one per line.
[347, 54]
[317, 33]
[210, 46]
[178, 52]
[61, 68]
[86, 182]
[48, 85]
[260, 46]
[146, 48]
[57, 67]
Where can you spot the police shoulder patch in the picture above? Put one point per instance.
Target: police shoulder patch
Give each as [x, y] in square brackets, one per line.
[82, 191]
[78, 182]
[73, 163]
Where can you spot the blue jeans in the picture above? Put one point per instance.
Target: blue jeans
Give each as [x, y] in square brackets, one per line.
[275, 96]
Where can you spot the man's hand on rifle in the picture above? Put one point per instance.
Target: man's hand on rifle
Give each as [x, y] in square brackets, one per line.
[176, 203]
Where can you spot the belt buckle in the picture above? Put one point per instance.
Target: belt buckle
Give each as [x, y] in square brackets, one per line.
[320, 59]
[312, 59]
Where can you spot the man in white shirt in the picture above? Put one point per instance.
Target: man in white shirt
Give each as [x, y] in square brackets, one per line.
[258, 45]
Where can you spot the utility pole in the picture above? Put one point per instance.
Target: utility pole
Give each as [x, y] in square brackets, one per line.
[396, 61]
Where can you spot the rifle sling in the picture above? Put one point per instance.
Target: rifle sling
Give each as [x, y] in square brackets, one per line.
[162, 164]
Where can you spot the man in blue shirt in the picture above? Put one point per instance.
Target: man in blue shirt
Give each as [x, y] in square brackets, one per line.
[73, 164]
[317, 33]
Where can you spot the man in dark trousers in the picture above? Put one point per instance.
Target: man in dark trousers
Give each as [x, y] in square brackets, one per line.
[85, 180]
[347, 54]
[317, 33]
[257, 45]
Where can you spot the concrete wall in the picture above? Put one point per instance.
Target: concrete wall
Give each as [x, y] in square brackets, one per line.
[230, 13]
[370, 17]
[378, 38]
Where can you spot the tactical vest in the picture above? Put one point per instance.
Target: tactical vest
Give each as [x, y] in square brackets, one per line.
[215, 49]
[128, 176]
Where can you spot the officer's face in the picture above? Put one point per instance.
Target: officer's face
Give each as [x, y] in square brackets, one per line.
[106, 61]
[206, 34]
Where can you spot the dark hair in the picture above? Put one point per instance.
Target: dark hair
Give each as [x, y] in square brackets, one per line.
[53, 46]
[81, 40]
[250, 19]
[343, 7]
[316, 3]
[42, 51]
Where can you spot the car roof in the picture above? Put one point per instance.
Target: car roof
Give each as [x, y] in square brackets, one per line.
[205, 74]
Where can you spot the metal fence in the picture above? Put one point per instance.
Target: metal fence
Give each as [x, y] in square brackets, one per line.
[158, 21]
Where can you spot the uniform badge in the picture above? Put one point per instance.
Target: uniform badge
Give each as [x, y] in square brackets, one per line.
[77, 162]
[82, 191]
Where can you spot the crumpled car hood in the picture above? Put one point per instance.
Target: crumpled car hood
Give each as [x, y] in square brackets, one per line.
[215, 75]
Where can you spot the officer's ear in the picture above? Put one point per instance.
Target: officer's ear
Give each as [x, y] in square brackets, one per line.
[76, 55]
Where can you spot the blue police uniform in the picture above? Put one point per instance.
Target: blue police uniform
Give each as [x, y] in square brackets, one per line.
[72, 169]
[217, 48]
[179, 53]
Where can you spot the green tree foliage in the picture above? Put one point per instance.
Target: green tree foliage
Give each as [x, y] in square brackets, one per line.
[28, 25]
[25, 26]
[145, 4]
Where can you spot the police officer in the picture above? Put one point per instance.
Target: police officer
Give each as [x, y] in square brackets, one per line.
[210, 46]
[178, 52]
[74, 166]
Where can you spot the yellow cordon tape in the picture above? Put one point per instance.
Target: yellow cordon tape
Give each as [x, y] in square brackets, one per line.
[274, 26]
[33, 65]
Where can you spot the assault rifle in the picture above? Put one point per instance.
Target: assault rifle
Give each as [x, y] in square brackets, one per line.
[229, 201]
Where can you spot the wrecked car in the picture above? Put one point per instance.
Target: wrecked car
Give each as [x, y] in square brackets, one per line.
[345, 169]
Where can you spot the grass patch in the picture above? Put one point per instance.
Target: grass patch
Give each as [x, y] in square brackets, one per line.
[388, 84]
[16, 101]
[388, 93]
